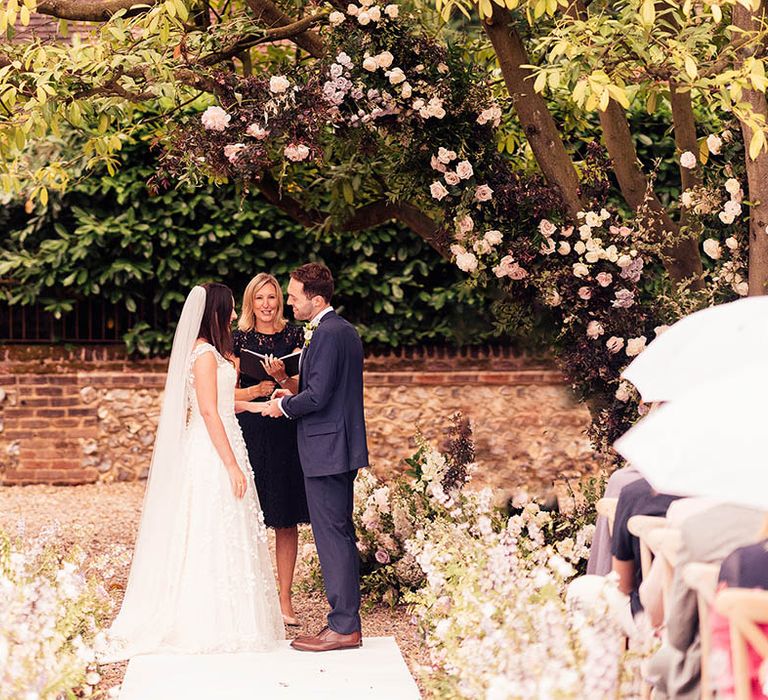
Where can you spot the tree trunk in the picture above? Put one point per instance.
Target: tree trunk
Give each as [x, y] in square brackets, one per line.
[757, 169]
[539, 126]
[684, 261]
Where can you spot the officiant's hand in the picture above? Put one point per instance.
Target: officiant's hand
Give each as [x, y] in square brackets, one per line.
[264, 388]
[274, 368]
[271, 409]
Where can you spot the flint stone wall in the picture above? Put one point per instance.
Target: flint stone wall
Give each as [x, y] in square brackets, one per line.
[86, 414]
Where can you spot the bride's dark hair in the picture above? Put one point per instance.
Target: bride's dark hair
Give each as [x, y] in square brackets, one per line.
[216, 325]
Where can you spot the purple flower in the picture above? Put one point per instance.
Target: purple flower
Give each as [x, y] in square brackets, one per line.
[382, 556]
[624, 299]
[632, 271]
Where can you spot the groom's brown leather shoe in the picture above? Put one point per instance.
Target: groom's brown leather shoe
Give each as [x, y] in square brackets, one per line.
[328, 640]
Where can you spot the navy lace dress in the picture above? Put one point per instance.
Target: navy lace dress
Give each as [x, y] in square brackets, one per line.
[271, 442]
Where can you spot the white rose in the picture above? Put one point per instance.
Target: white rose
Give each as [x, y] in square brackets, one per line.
[363, 18]
[579, 247]
[493, 237]
[481, 246]
[396, 76]
[580, 270]
[687, 199]
[452, 178]
[438, 191]
[732, 243]
[336, 18]
[406, 91]
[688, 160]
[445, 156]
[712, 248]
[392, 11]
[635, 346]
[611, 253]
[726, 218]
[714, 144]
[374, 13]
[622, 393]
[660, 329]
[370, 64]
[594, 330]
[256, 131]
[614, 344]
[742, 289]
[605, 214]
[624, 261]
[352, 9]
[384, 59]
[592, 219]
[278, 84]
[732, 185]
[464, 170]
[564, 248]
[585, 232]
[215, 119]
[732, 208]
[466, 262]
[592, 256]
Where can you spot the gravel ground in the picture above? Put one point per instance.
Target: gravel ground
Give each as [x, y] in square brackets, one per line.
[97, 516]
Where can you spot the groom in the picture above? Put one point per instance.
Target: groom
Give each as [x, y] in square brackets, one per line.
[332, 447]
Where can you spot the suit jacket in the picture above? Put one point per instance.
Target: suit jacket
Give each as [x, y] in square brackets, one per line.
[329, 405]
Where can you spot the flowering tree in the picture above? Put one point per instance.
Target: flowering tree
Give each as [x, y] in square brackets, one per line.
[446, 126]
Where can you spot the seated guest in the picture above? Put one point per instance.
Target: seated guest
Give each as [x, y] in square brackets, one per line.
[747, 567]
[636, 498]
[599, 562]
[707, 536]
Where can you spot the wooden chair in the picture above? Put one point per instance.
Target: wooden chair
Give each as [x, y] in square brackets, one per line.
[607, 508]
[745, 609]
[702, 579]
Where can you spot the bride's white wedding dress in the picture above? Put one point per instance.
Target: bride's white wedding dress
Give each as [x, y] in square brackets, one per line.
[209, 585]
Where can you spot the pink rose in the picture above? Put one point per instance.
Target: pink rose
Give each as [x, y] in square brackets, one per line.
[566, 232]
[547, 228]
[215, 119]
[594, 330]
[465, 224]
[585, 293]
[483, 193]
[452, 178]
[438, 191]
[437, 165]
[231, 151]
[382, 556]
[604, 278]
[614, 344]
[464, 170]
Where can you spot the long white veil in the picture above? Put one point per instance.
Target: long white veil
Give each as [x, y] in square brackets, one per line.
[152, 580]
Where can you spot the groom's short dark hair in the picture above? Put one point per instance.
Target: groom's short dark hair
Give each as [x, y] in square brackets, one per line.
[317, 280]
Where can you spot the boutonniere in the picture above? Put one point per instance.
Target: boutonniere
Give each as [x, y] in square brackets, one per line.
[309, 329]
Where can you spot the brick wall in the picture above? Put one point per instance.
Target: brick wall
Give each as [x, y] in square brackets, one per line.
[84, 414]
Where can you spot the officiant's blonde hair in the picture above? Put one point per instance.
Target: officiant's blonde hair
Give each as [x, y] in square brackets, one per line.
[247, 320]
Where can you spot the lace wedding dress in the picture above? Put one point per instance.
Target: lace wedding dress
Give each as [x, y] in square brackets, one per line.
[202, 582]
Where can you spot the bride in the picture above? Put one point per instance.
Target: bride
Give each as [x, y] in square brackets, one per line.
[201, 579]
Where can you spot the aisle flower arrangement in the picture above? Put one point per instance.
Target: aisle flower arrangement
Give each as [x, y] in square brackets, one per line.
[52, 605]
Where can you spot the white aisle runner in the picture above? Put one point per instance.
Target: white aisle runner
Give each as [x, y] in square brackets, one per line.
[377, 670]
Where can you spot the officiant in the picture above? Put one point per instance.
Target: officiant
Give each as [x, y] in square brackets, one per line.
[272, 447]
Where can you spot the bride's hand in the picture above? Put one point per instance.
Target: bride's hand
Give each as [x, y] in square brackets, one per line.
[238, 481]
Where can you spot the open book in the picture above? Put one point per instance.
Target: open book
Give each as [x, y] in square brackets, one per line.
[250, 364]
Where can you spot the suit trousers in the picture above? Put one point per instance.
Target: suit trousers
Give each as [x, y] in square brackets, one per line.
[331, 502]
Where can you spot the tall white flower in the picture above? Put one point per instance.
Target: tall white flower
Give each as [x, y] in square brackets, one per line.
[688, 160]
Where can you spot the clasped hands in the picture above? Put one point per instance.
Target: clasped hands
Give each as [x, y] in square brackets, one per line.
[271, 408]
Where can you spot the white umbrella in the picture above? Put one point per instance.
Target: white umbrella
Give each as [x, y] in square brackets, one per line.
[710, 442]
[701, 346]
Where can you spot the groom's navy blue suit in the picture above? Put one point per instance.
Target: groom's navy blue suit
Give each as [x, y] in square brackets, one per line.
[332, 447]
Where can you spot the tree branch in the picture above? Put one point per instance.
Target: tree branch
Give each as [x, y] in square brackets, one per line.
[272, 16]
[540, 128]
[91, 10]
[289, 31]
[367, 216]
